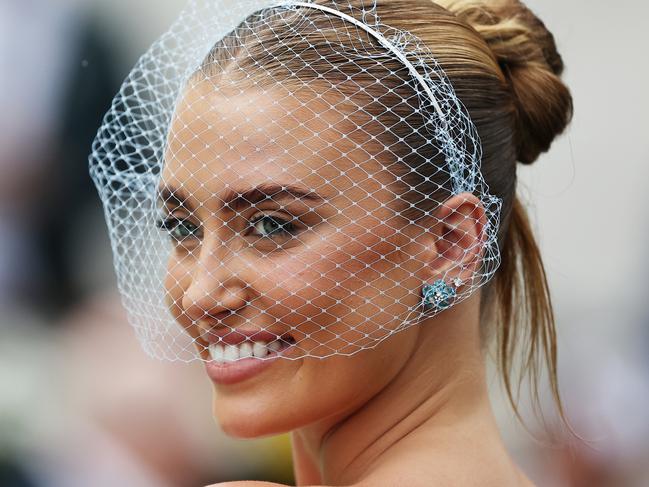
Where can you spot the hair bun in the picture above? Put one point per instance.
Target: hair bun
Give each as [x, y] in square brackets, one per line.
[527, 53]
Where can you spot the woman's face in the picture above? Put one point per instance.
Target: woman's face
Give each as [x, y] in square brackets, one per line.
[283, 224]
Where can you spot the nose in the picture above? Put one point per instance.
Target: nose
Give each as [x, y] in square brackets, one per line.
[215, 287]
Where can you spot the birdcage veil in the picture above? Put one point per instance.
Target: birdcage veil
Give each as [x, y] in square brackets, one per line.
[264, 167]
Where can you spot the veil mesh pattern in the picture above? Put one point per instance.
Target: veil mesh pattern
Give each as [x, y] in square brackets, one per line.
[269, 172]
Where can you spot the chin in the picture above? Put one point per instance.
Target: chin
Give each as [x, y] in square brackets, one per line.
[244, 428]
[253, 414]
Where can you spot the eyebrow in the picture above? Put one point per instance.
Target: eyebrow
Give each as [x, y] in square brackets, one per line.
[237, 200]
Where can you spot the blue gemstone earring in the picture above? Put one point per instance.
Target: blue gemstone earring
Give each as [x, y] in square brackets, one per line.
[438, 295]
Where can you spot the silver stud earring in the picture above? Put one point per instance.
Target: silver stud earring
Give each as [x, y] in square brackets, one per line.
[438, 295]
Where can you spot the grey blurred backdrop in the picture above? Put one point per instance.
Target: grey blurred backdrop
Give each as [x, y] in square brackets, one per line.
[72, 415]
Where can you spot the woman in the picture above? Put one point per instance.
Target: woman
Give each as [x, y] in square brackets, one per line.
[337, 180]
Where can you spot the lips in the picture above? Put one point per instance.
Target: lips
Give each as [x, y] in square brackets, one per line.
[237, 355]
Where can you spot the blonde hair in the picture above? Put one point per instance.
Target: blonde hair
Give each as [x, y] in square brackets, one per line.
[539, 107]
[505, 68]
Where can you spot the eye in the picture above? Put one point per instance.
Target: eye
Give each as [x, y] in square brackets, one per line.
[273, 227]
[179, 229]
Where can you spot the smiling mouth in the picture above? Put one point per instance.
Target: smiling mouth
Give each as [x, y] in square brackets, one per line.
[224, 353]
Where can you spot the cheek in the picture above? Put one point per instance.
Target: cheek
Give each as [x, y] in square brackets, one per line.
[343, 296]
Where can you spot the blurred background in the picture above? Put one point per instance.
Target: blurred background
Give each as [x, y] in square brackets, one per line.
[72, 415]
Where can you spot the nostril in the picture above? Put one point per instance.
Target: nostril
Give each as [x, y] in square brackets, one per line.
[287, 339]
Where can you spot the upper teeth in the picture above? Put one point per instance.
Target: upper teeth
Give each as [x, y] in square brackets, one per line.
[230, 353]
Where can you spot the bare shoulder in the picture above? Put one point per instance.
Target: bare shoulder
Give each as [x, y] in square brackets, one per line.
[249, 484]
[246, 484]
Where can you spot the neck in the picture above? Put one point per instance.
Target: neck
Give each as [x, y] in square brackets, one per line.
[439, 389]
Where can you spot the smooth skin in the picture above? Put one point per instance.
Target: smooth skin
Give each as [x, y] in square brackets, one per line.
[412, 411]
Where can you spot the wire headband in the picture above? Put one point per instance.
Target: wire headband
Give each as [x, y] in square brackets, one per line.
[379, 37]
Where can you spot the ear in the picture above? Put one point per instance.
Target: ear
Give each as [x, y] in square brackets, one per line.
[459, 238]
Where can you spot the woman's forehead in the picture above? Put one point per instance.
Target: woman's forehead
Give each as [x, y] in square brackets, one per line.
[256, 134]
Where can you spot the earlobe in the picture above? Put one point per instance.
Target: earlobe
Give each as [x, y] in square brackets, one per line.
[460, 226]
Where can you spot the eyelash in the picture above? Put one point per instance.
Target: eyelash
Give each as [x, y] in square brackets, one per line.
[287, 228]
[171, 224]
